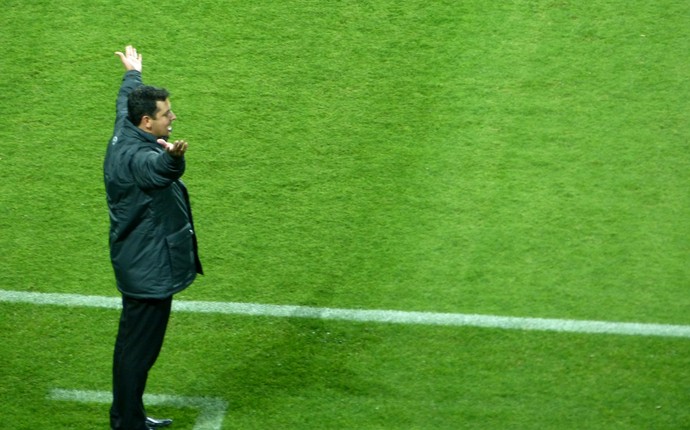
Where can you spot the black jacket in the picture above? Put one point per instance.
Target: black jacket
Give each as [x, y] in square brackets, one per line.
[153, 246]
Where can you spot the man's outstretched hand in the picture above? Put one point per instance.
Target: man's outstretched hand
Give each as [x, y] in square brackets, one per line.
[130, 59]
[176, 149]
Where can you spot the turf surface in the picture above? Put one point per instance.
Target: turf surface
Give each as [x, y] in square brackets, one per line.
[519, 158]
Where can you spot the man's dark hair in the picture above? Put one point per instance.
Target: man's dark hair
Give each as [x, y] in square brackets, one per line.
[142, 101]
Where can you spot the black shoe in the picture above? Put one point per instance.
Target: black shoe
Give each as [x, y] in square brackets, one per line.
[153, 423]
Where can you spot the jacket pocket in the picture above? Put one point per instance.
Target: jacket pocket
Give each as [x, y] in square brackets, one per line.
[181, 250]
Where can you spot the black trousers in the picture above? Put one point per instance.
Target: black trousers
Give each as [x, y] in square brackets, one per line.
[139, 340]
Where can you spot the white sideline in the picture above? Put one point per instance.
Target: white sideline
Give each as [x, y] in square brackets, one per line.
[211, 410]
[380, 316]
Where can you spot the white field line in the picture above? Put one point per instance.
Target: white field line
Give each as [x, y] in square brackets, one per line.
[380, 316]
[211, 410]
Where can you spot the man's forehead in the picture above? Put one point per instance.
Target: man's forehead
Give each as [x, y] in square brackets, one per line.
[163, 106]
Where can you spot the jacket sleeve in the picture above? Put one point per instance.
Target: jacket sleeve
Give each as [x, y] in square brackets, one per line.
[130, 81]
[153, 169]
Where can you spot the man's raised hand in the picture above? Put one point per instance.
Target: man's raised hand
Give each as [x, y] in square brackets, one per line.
[130, 59]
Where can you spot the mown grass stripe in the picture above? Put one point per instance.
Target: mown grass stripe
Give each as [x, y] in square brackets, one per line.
[361, 315]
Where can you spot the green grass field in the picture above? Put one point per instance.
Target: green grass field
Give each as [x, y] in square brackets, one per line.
[514, 158]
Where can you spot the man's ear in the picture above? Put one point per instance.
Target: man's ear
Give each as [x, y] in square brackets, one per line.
[145, 123]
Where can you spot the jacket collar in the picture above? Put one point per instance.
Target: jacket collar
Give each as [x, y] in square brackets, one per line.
[138, 133]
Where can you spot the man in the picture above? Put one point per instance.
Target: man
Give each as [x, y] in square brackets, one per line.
[153, 245]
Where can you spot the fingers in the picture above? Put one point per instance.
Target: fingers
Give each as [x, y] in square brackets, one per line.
[130, 58]
[167, 146]
[176, 149]
[130, 53]
[179, 148]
